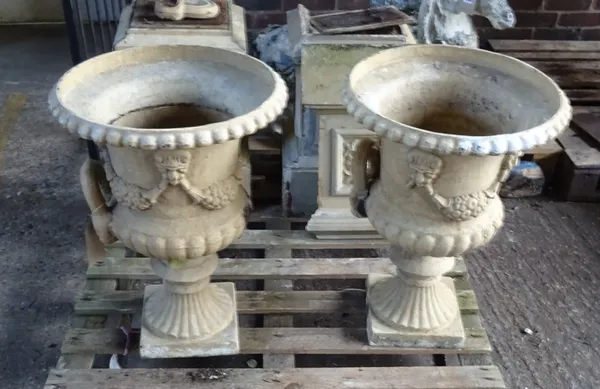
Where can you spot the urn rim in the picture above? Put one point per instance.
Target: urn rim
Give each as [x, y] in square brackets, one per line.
[444, 143]
[180, 137]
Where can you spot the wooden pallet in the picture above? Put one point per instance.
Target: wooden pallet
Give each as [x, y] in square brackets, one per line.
[578, 174]
[575, 66]
[302, 330]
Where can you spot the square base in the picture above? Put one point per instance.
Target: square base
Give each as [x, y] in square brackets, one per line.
[226, 342]
[381, 335]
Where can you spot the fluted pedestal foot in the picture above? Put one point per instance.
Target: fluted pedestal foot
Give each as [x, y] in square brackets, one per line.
[224, 342]
[188, 316]
[402, 315]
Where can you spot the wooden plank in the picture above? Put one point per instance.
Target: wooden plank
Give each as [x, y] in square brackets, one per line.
[83, 360]
[258, 302]
[553, 55]
[298, 239]
[566, 66]
[585, 109]
[264, 145]
[321, 341]
[363, 20]
[583, 96]
[576, 80]
[271, 361]
[262, 268]
[95, 252]
[469, 359]
[582, 153]
[572, 74]
[468, 377]
[474, 359]
[578, 173]
[540, 45]
[248, 302]
[589, 125]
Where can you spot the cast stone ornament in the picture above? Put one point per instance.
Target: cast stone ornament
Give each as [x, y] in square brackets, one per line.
[452, 123]
[173, 182]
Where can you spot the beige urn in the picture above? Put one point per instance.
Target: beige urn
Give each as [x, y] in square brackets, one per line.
[173, 180]
[452, 123]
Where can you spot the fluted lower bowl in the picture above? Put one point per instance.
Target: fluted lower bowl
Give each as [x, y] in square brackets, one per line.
[456, 100]
[168, 97]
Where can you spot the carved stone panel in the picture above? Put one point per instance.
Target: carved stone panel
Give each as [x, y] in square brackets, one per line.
[338, 135]
[343, 143]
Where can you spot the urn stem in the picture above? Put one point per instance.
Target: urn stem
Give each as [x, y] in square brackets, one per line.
[187, 306]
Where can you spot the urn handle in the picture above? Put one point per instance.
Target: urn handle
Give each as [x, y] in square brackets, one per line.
[365, 171]
[93, 180]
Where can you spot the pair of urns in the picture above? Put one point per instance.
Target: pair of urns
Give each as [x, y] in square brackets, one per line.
[173, 180]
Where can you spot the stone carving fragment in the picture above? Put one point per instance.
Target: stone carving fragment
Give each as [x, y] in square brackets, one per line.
[449, 21]
[182, 9]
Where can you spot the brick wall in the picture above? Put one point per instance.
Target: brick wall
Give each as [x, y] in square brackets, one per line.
[536, 19]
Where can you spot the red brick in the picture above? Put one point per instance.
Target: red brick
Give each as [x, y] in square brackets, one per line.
[353, 4]
[536, 19]
[261, 19]
[557, 33]
[511, 33]
[526, 5]
[579, 19]
[316, 5]
[567, 5]
[590, 34]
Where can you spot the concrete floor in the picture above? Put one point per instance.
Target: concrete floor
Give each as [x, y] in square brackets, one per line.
[542, 272]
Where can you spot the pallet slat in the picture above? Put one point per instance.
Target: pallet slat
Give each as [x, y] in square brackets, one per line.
[583, 96]
[261, 239]
[278, 341]
[553, 55]
[271, 361]
[575, 66]
[468, 377]
[262, 268]
[255, 303]
[297, 340]
[540, 45]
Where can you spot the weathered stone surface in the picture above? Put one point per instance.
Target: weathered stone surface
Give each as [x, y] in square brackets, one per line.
[224, 342]
[449, 21]
[380, 334]
[173, 184]
[451, 126]
[273, 47]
